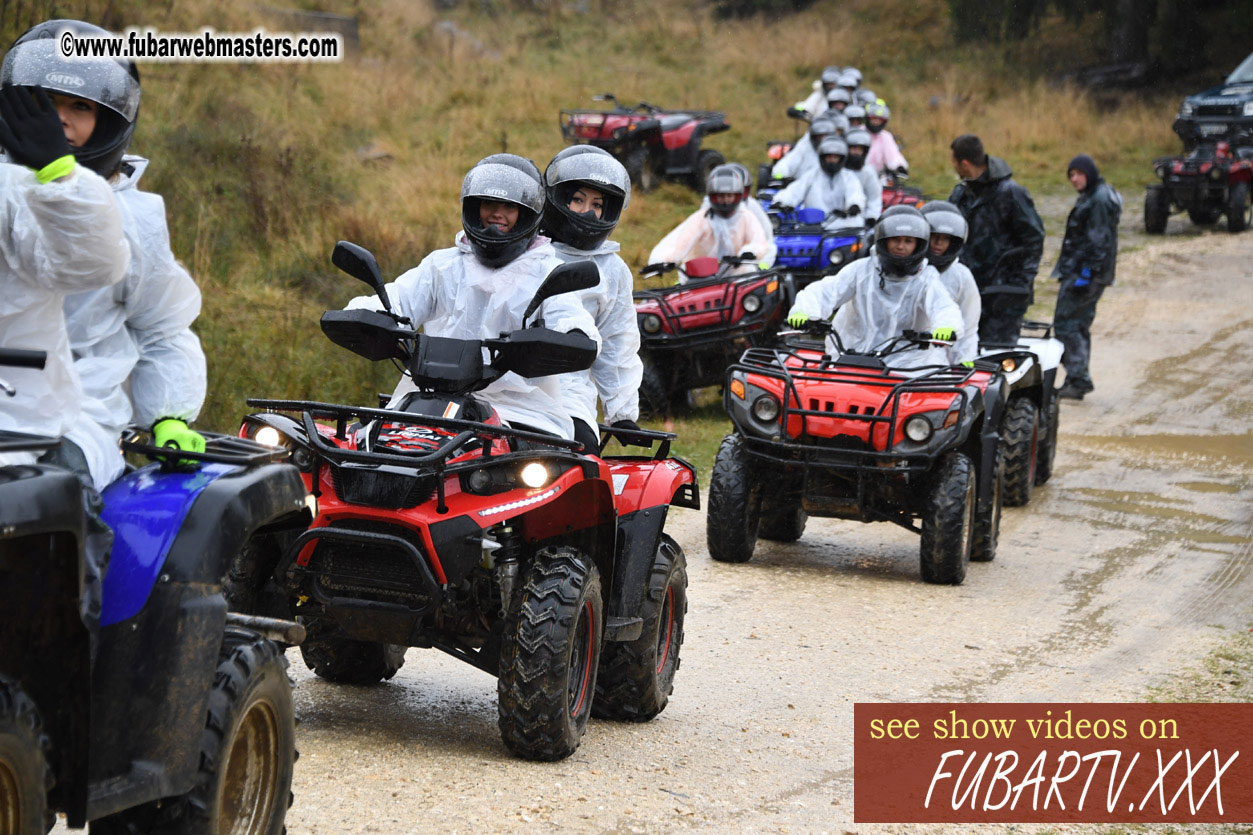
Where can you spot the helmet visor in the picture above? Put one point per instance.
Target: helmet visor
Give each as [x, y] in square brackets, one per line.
[102, 80]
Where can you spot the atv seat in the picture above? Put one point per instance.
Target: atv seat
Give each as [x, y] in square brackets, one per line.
[700, 267]
[671, 121]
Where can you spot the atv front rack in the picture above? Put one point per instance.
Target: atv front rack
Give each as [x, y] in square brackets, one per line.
[772, 362]
[724, 306]
[219, 449]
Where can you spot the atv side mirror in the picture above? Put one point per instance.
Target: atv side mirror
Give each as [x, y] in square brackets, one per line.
[566, 278]
[539, 352]
[359, 263]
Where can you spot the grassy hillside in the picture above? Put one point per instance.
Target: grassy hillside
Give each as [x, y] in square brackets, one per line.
[264, 167]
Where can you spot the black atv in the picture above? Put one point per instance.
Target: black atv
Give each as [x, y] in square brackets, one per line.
[137, 702]
[1208, 182]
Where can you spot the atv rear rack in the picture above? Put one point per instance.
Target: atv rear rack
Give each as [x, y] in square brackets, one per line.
[25, 442]
[219, 449]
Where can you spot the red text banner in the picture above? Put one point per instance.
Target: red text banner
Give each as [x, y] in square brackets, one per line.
[1053, 763]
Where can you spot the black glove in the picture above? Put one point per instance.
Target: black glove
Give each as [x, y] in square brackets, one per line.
[30, 129]
[853, 211]
[626, 424]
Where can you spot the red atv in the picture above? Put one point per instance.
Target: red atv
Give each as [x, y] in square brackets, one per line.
[844, 435]
[650, 141]
[438, 526]
[897, 193]
[691, 332]
[1207, 182]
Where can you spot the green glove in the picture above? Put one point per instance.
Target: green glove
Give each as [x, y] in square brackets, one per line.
[943, 334]
[968, 364]
[797, 319]
[174, 433]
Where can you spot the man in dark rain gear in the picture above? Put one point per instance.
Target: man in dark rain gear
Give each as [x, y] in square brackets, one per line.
[1085, 268]
[1006, 238]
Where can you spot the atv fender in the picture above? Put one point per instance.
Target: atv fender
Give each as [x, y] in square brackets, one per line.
[994, 399]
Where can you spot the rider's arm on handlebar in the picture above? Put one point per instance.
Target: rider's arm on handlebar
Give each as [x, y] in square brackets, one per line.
[820, 299]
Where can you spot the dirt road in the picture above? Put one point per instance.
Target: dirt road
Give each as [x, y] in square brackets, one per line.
[1126, 568]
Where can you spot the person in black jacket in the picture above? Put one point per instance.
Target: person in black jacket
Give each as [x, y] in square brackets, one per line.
[1006, 238]
[1085, 268]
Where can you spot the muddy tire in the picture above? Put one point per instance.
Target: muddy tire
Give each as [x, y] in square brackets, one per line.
[247, 752]
[1156, 211]
[987, 527]
[786, 524]
[948, 521]
[1020, 449]
[550, 651]
[642, 169]
[25, 776]
[1048, 441]
[334, 656]
[734, 504]
[654, 399]
[249, 587]
[706, 161]
[636, 677]
[1239, 209]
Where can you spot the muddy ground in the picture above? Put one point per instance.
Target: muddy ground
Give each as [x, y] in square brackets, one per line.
[1128, 567]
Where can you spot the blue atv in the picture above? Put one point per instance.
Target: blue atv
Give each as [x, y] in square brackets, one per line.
[137, 702]
[811, 245]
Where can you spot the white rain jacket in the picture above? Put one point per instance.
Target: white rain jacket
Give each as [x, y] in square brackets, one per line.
[452, 294]
[132, 343]
[870, 184]
[884, 154]
[707, 234]
[617, 372]
[820, 190]
[797, 162]
[55, 239]
[816, 103]
[871, 308]
[960, 284]
[755, 207]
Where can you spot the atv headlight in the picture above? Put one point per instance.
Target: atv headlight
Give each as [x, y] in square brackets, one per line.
[766, 408]
[752, 303]
[1009, 364]
[1186, 109]
[918, 429]
[836, 257]
[1248, 108]
[535, 474]
[651, 323]
[269, 436]
[1161, 171]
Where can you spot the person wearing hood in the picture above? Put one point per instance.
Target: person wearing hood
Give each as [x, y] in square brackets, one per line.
[1006, 238]
[948, 235]
[816, 103]
[480, 287]
[859, 143]
[876, 299]
[132, 344]
[586, 191]
[63, 235]
[804, 155]
[1084, 268]
[885, 155]
[829, 187]
[725, 228]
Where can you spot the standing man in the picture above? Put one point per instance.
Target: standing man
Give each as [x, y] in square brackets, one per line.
[1085, 268]
[1006, 238]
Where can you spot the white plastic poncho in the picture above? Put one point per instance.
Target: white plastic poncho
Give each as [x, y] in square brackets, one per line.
[55, 239]
[452, 294]
[816, 103]
[960, 284]
[616, 374]
[873, 189]
[799, 161]
[132, 343]
[820, 190]
[870, 308]
[755, 208]
[706, 233]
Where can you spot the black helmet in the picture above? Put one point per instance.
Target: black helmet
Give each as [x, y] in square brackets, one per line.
[946, 219]
[576, 166]
[507, 178]
[725, 180]
[832, 145]
[901, 222]
[113, 84]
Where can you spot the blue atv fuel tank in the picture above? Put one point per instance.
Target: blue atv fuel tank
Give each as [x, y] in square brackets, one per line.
[145, 510]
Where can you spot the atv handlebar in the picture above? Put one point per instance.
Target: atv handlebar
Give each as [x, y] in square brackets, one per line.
[893, 345]
[19, 358]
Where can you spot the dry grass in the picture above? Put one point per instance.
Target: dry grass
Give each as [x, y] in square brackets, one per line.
[264, 167]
